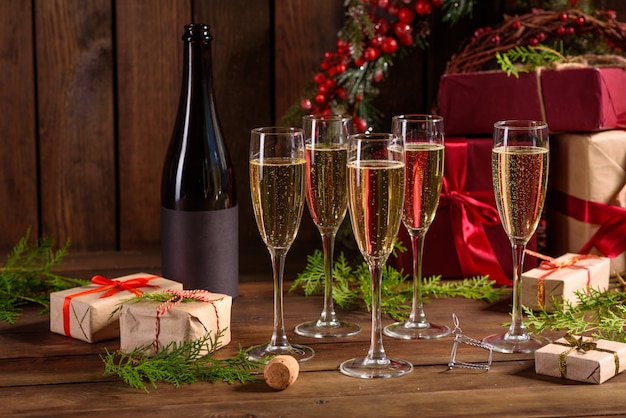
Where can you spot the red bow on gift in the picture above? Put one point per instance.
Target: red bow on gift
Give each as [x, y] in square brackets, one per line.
[111, 287]
[610, 239]
[469, 212]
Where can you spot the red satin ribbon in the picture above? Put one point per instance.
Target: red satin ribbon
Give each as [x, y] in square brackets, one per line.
[111, 287]
[177, 297]
[610, 239]
[470, 210]
[553, 266]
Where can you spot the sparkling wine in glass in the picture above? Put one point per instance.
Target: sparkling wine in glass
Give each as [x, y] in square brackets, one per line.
[424, 150]
[277, 181]
[326, 138]
[375, 197]
[519, 164]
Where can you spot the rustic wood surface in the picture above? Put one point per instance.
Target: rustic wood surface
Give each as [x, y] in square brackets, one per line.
[45, 374]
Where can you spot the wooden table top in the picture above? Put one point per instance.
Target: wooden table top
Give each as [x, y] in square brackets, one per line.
[45, 374]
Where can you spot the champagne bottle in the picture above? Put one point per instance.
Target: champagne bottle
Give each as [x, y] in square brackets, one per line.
[199, 212]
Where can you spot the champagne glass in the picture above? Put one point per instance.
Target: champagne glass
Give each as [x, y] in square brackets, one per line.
[424, 149]
[519, 165]
[326, 139]
[375, 197]
[277, 170]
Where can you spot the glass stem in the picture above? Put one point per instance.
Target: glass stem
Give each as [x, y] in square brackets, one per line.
[279, 337]
[516, 330]
[376, 353]
[328, 313]
[417, 245]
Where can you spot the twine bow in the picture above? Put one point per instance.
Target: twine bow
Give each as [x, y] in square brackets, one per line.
[580, 344]
[179, 296]
[111, 287]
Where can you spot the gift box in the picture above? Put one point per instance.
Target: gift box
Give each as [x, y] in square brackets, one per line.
[186, 316]
[561, 278]
[581, 359]
[586, 203]
[471, 102]
[84, 312]
[466, 238]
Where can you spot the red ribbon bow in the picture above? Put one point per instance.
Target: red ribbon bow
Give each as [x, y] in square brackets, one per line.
[177, 297]
[610, 239]
[470, 211]
[111, 287]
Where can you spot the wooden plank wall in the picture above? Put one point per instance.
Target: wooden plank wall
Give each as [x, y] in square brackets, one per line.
[89, 91]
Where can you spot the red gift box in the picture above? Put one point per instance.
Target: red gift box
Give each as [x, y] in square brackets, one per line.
[466, 238]
[569, 99]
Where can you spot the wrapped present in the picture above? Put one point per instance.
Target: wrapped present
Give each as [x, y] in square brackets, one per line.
[582, 359]
[185, 316]
[471, 102]
[559, 279]
[466, 238]
[84, 312]
[586, 203]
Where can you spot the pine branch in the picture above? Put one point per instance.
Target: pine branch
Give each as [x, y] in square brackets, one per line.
[28, 276]
[180, 363]
[602, 314]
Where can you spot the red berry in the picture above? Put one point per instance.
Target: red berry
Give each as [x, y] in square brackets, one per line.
[563, 17]
[479, 32]
[306, 104]
[437, 3]
[319, 78]
[533, 42]
[341, 68]
[330, 83]
[406, 40]
[611, 15]
[406, 15]
[383, 3]
[323, 89]
[570, 30]
[342, 93]
[541, 36]
[560, 30]
[328, 56]
[359, 61]
[319, 98]
[370, 53]
[381, 26]
[361, 124]
[402, 29]
[516, 24]
[495, 39]
[389, 45]
[378, 77]
[422, 7]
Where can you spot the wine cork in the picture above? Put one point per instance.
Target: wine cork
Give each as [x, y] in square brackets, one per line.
[281, 371]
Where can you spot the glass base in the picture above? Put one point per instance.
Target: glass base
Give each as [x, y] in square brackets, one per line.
[321, 329]
[416, 331]
[264, 351]
[365, 368]
[505, 343]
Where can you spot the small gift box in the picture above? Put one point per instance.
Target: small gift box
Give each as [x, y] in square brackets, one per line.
[586, 201]
[84, 312]
[185, 316]
[559, 279]
[581, 359]
[471, 102]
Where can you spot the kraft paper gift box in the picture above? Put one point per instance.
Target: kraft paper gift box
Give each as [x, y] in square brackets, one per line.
[586, 203]
[179, 320]
[581, 359]
[569, 99]
[466, 238]
[84, 313]
[561, 278]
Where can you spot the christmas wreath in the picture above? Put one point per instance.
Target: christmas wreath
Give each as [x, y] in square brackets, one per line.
[377, 33]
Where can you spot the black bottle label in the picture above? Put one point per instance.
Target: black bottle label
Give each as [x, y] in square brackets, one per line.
[200, 249]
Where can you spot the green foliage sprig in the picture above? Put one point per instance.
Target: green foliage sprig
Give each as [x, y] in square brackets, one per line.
[27, 276]
[601, 314]
[181, 363]
[524, 59]
[352, 284]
